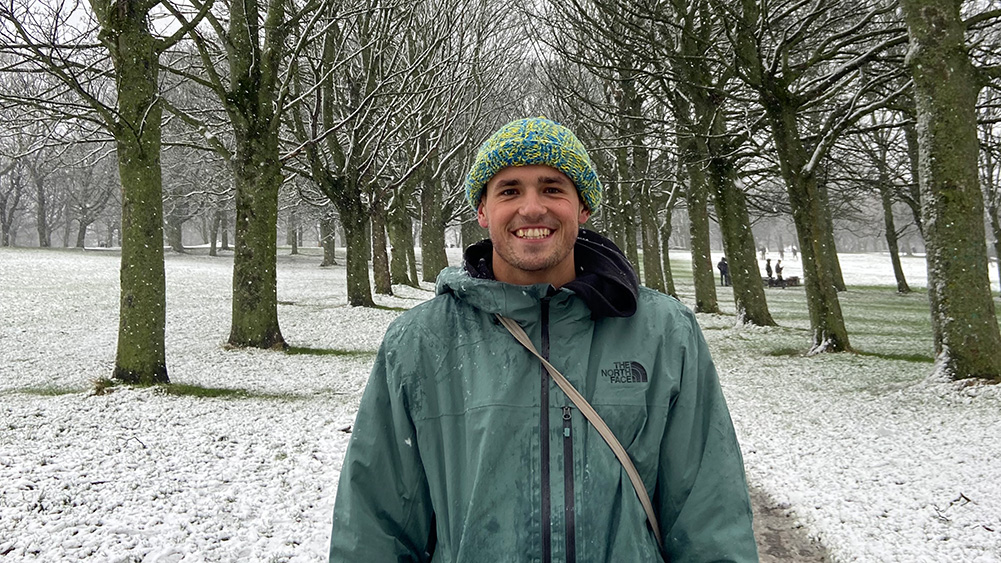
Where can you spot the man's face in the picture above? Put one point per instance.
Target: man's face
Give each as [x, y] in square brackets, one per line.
[532, 213]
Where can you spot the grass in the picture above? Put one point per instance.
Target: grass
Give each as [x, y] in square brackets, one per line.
[303, 350]
[202, 392]
[105, 385]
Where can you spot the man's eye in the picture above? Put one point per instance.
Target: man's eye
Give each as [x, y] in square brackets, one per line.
[508, 191]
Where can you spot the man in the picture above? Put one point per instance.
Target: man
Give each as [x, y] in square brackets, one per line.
[724, 271]
[464, 450]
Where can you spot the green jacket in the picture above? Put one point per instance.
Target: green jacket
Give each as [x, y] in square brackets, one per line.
[452, 453]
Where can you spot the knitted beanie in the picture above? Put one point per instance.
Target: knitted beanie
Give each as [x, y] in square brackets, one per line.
[535, 140]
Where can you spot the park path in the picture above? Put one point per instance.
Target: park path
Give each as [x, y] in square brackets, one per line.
[779, 537]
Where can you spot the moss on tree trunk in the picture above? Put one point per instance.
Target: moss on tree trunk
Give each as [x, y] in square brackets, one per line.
[946, 86]
[140, 356]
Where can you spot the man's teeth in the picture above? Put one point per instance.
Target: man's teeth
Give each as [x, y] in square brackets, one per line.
[533, 233]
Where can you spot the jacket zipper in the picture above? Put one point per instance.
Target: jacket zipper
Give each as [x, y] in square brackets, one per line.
[568, 491]
[547, 555]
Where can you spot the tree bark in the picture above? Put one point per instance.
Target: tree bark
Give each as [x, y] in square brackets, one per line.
[653, 275]
[353, 219]
[946, 86]
[433, 255]
[140, 357]
[328, 240]
[257, 173]
[399, 223]
[380, 257]
[738, 244]
[41, 210]
[697, 196]
[665, 241]
[996, 228]
[830, 244]
[826, 319]
[214, 232]
[886, 195]
[81, 233]
[292, 233]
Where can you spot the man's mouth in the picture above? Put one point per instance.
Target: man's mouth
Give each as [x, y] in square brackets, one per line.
[533, 233]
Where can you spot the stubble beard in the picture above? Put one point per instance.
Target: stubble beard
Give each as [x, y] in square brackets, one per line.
[526, 262]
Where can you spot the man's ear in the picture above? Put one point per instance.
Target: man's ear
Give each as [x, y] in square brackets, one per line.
[584, 215]
[481, 217]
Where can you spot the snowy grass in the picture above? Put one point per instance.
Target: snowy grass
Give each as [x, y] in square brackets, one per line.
[240, 461]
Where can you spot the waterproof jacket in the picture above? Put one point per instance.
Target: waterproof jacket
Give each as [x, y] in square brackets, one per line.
[464, 450]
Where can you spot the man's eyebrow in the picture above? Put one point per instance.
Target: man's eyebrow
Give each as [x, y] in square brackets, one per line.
[508, 182]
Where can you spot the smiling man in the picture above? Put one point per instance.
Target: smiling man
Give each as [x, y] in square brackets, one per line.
[465, 449]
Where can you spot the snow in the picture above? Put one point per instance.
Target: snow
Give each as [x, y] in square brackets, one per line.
[875, 456]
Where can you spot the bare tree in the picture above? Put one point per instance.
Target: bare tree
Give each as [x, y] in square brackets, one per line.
[813, 63]
[244, 53]
[946, 85]
[61, 39]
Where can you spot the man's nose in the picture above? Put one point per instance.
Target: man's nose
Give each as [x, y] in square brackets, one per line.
[532, 205]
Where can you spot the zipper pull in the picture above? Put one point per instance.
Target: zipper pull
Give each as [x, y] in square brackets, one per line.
[566, 412]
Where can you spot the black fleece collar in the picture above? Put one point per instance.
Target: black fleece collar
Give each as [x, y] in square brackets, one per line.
[605, 279]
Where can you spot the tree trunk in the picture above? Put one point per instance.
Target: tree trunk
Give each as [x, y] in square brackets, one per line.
[257, 173]
[914, 190]
[653, 275]
[996, 230]
[830, 257]
[214, 232]
[328, 240]
[433, 254]
[885, 194]
[826, 320]
[380, 257]
[410, 248]
[946, 86]
[292, 233]
[665, 241]
[738, 244]
[611, 215]
[399, 223]
[140, 357]
[224, 228]
[81, 233]
[41, 212]
[471, 231]
[698, 227]
[353, 219]
[174, 232]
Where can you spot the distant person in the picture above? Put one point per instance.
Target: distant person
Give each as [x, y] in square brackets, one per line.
[724, 272]
[768, 269]
[782, 253]
[466, 449]
[778, 273]
[763, 251]
[794, 252]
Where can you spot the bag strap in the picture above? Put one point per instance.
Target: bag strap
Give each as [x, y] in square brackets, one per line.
[595, 420]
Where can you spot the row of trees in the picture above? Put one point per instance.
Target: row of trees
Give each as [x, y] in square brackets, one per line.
[370, 112]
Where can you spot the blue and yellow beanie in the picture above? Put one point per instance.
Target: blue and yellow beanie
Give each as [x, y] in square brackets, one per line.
[535, 140]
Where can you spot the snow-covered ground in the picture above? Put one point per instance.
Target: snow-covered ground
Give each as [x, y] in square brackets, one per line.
[876, 459]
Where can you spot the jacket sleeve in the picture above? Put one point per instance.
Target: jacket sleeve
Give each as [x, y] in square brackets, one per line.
[701, 496]
[382, 511]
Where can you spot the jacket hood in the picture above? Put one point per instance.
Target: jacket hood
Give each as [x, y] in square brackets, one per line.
[605, 281]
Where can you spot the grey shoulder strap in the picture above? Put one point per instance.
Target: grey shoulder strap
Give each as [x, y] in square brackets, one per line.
[595, 420]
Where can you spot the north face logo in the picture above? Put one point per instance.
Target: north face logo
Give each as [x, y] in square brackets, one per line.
[625, 372]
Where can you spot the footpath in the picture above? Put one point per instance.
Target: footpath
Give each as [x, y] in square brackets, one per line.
[780, 539]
